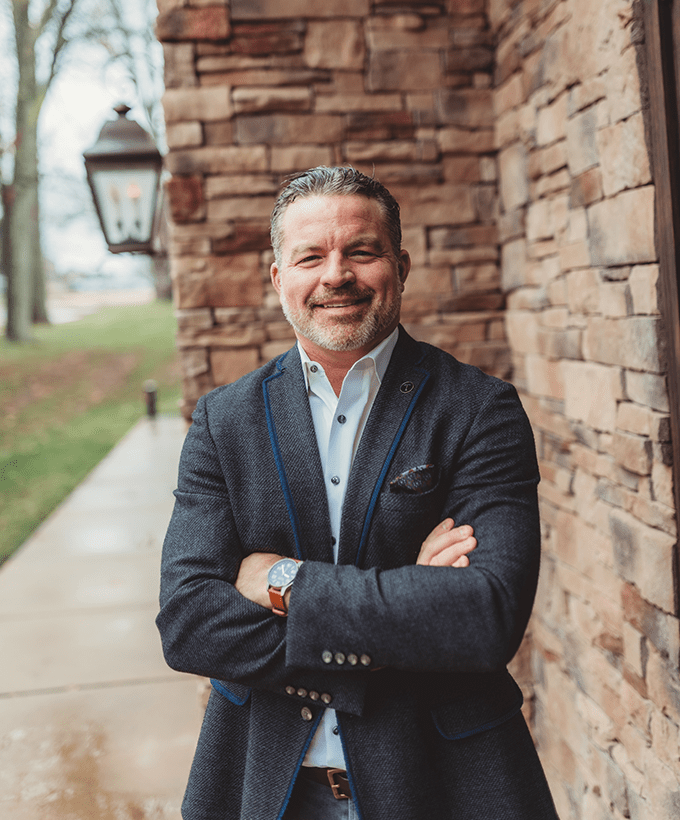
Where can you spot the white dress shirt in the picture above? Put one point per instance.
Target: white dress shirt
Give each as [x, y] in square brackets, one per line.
[339, 422]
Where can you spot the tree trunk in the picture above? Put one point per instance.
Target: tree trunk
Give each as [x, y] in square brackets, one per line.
[6, 246]
[39, 289]
[161, 276]
[23, 234]
[19, 278]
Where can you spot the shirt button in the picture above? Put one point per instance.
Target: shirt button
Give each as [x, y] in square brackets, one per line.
[327, 657]
[336, 730]
[326, 698]
[306, 713]
[314, 368]
[342, 419]
[290, 690]
[339, 658]
[334, 540]
[335, 480]
[365, 660]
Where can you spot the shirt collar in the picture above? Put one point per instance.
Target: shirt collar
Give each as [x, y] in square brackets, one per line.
[377, 359]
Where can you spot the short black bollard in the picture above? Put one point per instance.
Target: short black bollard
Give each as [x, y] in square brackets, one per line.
[150, 393]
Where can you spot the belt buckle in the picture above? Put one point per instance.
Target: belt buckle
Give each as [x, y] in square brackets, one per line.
[335, 787]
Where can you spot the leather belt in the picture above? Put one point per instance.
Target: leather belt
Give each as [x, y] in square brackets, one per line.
[336, 779]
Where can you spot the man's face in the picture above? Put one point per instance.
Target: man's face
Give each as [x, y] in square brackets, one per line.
[339, 280]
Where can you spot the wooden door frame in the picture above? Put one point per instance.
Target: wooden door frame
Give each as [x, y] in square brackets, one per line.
[662, 42]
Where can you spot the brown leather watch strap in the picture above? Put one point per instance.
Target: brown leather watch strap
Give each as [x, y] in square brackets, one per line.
[278, 602]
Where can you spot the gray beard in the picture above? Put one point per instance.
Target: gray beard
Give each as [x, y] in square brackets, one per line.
[344, 335]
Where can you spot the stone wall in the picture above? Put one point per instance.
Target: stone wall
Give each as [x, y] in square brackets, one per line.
[579, 266]
[260, 90]
[515, 135]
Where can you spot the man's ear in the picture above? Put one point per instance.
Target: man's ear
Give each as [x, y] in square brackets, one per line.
[404, 266]
[274, 273]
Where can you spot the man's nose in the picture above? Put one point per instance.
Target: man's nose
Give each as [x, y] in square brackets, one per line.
[337, 272]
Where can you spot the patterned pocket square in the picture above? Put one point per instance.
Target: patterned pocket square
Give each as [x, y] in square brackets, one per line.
[417, 480]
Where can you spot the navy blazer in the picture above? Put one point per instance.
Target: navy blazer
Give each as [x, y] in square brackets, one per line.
[429, 718]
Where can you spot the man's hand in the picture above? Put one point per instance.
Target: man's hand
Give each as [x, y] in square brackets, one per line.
[447, 546]
[251, 580]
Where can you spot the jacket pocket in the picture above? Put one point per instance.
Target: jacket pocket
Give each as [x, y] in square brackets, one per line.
[237, 693]
[478, 712]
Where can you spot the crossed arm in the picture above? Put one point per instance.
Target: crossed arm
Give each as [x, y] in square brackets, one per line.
[446, 546]
[215, 611]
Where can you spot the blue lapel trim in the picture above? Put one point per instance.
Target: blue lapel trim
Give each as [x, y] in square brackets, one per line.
[283, 478]
[386, 465]
[350, 773]
[308, 743]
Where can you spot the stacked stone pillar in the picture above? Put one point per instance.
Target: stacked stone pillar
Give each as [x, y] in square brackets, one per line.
[260, 90]
[580, 269]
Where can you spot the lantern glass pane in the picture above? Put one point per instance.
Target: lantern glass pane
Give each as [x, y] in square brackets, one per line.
[127, 199]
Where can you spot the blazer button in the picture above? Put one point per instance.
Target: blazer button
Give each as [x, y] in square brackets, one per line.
[352, 659]
[290, 690]
[327, 657]
[365, 660]
[302, 692]
[326, 698]
[306, 713]
[339, 658]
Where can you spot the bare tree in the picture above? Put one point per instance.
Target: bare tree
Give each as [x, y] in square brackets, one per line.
[25, 276]
[43, 32]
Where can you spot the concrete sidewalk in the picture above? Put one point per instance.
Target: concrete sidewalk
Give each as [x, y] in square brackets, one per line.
[93, 724]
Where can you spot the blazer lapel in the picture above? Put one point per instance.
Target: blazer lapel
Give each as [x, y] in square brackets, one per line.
[293, 441]
[399, 392]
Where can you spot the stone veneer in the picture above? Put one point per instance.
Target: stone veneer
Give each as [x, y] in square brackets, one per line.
[579, 267]
[260, 90]
[515, 136]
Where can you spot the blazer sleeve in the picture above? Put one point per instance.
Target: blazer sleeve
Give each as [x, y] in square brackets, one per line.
[207, 627]
[441, 618]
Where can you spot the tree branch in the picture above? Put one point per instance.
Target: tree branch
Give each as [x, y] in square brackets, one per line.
[46, 17]
[60, 40]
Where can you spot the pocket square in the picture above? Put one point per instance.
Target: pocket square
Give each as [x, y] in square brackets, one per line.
[416, 480]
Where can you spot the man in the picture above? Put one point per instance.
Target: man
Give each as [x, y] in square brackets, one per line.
[367, 677]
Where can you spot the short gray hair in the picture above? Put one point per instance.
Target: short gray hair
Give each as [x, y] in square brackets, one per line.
[337, 181]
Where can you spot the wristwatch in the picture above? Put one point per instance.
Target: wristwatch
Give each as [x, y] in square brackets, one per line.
[280, 579]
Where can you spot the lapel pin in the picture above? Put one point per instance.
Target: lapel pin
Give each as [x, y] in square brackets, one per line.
[407, 387]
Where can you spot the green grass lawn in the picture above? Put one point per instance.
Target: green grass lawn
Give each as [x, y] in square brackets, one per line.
[68, 397]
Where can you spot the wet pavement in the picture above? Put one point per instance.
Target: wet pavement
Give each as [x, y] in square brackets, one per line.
[93, 724]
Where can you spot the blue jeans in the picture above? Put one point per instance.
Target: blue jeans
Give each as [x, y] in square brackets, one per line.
[312, 801]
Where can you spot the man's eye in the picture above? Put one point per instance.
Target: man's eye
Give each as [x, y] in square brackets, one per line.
[308, 259]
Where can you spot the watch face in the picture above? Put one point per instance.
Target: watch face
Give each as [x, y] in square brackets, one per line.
[283, 572]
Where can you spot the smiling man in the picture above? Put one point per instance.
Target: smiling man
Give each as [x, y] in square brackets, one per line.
[338, 276]
[354, 551]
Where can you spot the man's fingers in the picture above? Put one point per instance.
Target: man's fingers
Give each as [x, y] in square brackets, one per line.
[454, 556]
[443, 527]
[443, 536]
